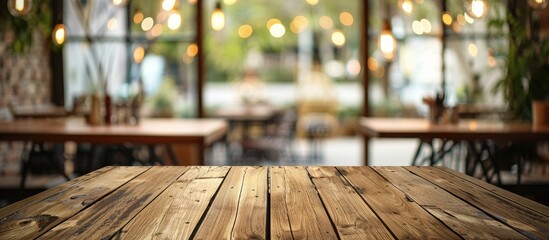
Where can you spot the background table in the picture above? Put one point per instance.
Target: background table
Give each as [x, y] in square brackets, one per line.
[275, 202]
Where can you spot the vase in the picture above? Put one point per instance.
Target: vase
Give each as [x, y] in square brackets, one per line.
[540, 113]
[95, 111]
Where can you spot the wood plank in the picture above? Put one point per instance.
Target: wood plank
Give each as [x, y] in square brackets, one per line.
[280, 222]
[177, 211]
[38, 218]
[352, 217]
[404, 218]
[4, 212]
[251, 220]
[293, 193]
[107, 216]
[502, 192]
[215, 172]
[466, 220]
[219, 220]
[529, 223]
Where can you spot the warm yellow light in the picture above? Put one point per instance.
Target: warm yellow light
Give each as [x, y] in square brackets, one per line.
[19, 7]
[326, 22]
[59, 34]
[192, 2]
[299, 24]
[112, 24]
[272, 22]
[277, 30]
[372, 64]
[468, 19]
[491, 61]
[245, 31]
[312, 2]
[147, 24]
[192, 50]
[473, 50]
[417, 27]
[118, 2]
[346, 18]
[456, 27]
[138, 17]
[138, 54]
[157, 30]
[447, 19]
[218, 19]
[353, 67]
[538, 4]
[174, 21]
[229, 2]
[387, 44]
[168, 5]
[461, 20]
[407, 6]
[426, 25]
[338, 38]
[477, 8]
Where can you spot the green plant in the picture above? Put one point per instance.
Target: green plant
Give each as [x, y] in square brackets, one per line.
[526, 66]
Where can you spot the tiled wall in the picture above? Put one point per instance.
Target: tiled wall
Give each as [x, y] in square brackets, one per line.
[25, 80]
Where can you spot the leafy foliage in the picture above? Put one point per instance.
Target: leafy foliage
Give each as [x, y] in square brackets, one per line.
[526, 68]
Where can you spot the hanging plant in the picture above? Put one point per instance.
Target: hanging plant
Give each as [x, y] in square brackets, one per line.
[18, 31]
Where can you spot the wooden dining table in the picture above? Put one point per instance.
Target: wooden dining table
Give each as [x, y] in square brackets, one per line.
[279, 202]
[473, 132]
[199, 132]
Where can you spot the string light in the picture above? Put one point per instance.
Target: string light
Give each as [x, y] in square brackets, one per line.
[387, 42]
[538, 4]
[59, 34]
[174, 21]
[245, 31]
[277, 30]
[477, 8]
[19, 7]
[218, 18]
[338, 38]
[346, 18]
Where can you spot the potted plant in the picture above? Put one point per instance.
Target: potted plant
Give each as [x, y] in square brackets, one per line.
[526, 68]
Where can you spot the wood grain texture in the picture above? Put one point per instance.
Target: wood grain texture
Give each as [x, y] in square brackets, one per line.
[220, 218]
[351, 215]
[466, 220]
[404, 217]
[306, 214]
[251, 220]
[107, 216]
[501, 192]
[274, 203]
[177, 211]
[280, 222]
[4, 212]
[529, 223]
[38, 218]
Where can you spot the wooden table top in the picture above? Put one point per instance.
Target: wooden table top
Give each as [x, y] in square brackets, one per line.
[277, 203]
[247, 113]
[42, 111]
[149, 131]
[464, 130]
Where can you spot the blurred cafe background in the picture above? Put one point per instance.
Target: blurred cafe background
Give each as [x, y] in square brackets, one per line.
[292, 79]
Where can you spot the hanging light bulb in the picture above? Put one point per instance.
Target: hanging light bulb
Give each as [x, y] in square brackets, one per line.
[477, 8]
[218, 18]
[119, 2]
[19, 7]
[387, 42]
[538, 4]
[59, 34]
